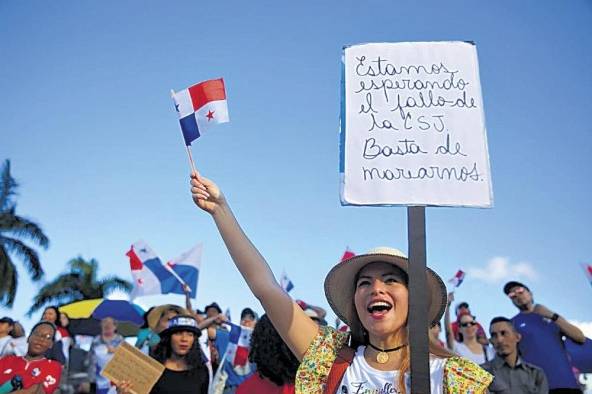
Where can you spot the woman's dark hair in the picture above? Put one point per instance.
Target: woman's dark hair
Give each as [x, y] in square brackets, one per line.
[57, 323]
[164, 350]
[274, 359]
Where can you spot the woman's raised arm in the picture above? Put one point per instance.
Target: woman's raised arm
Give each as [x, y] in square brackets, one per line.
[297, 329]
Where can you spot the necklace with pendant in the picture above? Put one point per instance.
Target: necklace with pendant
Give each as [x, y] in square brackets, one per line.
[382, 356]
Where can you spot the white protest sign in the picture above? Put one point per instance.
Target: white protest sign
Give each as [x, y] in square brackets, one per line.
[413, 126]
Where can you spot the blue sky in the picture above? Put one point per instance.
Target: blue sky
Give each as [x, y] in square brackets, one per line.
[87, 121]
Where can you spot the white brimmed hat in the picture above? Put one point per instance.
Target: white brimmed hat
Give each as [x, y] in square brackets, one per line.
[340, 286]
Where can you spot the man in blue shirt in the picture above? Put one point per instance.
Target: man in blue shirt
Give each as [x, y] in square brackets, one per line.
[541, 344]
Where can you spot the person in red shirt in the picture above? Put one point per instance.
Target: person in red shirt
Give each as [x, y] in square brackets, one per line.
[276, 365]
[33, 371]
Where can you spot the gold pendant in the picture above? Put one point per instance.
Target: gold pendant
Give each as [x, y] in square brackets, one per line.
[382, 357]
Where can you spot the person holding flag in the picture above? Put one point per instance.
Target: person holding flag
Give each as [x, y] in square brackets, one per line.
[233, 346]
[369, 292]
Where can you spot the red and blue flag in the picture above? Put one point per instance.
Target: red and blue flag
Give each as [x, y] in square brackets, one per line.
[457, 279]
[200, 107]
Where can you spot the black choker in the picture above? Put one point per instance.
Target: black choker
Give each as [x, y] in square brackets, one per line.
[382, 356]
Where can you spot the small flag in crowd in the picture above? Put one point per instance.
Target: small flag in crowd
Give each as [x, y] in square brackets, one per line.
[200, 107]
[237, 352]
[286, 283]
[457, 279]
[151, 276]
[348, 254]
[588, 270]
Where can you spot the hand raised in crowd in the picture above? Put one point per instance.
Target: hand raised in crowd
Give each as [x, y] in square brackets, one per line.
[450, 298]
[206, 194]
[221, 318]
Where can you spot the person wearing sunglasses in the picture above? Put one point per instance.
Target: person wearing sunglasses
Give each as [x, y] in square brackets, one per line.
[467, 344]
[33, 372]
[541, 344]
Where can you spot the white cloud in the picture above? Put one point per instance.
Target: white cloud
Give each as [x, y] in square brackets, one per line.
[585, 326]
[499, 269]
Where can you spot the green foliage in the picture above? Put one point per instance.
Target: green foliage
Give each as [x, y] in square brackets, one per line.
[79, 282]
[14, 231]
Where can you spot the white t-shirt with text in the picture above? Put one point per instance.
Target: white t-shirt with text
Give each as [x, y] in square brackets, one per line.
[361, 378]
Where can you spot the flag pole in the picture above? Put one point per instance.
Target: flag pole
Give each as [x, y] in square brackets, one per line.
[170, 269]
[191, 162]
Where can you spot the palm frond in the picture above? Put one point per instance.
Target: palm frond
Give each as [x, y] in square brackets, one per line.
[63, 289]
[8, 187]
[29, 256]
[9, 281]
[20, 227]
[111, 283]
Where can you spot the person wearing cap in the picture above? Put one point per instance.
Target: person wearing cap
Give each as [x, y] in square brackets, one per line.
[541, 344]
[32, 372]
[368, 292]
[316, 313]
[512, 374]
[463, 309]
[179, 351]
[6, 326]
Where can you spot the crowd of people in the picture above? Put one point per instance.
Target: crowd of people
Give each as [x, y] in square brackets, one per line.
[294, 350]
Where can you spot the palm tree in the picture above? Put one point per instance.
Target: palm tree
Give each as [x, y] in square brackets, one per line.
[78, 283]
[13, 230]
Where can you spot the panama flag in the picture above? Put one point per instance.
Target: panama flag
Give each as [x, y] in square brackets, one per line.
[144, 263]
[186, 269]
[286, 283]
[588, 271]
[200, 107]
[237, 352]
[457, 279]
[151, 276]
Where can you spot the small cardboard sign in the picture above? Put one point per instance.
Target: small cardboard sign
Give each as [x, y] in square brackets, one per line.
[130, 364]
[413, 126]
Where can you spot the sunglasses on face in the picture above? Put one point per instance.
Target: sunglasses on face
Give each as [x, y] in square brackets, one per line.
[468, 324]
[516, 291]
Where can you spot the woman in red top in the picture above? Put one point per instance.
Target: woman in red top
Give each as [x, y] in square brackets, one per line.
[276, 365]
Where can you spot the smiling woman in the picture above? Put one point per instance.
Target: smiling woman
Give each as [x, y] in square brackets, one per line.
[369, 293]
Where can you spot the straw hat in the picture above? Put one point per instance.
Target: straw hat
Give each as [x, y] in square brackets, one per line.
[340, 286]
[156, 313]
